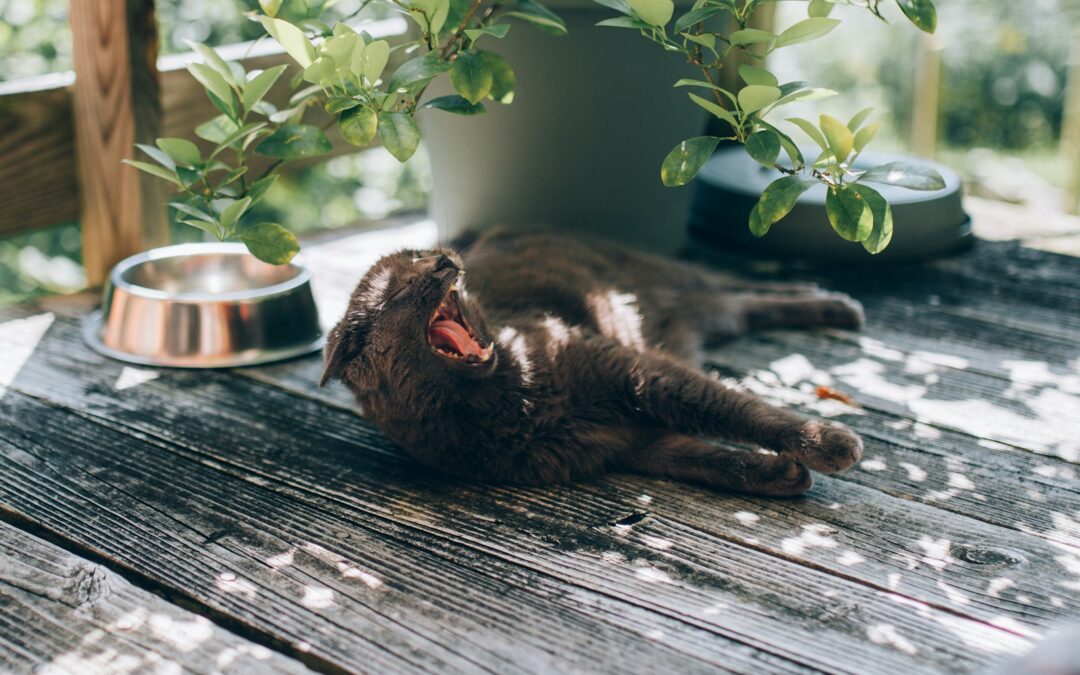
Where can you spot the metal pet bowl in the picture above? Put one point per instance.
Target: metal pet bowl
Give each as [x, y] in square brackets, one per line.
[204, 306]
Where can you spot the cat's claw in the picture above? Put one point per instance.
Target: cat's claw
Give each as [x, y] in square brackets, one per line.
[828, 448]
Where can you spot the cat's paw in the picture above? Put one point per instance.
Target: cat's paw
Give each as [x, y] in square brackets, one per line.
[784, 478]
[842, 311]
[828, 448]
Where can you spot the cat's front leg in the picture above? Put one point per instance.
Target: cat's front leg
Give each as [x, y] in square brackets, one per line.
[690, 402]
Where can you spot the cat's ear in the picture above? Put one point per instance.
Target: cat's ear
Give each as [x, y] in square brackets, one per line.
[342, 345]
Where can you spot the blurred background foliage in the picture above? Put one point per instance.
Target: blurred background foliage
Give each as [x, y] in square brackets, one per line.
[1002, 96]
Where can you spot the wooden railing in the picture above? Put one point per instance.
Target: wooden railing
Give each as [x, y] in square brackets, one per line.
[63, 136]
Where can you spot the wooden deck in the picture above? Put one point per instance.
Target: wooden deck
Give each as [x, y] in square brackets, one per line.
[246, 521]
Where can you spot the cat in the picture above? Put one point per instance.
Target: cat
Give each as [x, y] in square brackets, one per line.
[538, 358]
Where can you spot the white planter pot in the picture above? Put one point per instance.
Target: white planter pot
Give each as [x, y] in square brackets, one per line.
[580, 147]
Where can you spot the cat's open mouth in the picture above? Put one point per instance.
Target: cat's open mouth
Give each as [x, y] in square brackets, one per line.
[451, 335]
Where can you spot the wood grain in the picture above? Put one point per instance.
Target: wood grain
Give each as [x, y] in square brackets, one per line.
[845, 541]
[65, 614]
[115, 103]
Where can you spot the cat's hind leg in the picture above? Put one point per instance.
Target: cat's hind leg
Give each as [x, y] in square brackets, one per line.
[687, 458]
[688, 401]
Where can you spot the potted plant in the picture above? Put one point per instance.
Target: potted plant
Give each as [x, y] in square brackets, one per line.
[712, 30]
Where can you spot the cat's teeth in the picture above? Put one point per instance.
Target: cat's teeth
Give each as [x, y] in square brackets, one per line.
[486, 352]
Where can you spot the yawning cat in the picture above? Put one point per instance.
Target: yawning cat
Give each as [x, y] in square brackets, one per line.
[556, 359]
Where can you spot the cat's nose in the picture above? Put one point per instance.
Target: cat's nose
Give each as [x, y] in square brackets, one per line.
[435, 263]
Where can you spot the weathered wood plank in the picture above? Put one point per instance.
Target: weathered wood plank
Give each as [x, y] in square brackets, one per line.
[699, 583]
[65, 614]
[351, 592]
[115, 105]
[187, 400]
[1038, 409]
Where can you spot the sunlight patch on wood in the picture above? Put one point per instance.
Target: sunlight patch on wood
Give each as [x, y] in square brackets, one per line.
[18, 340]
[133, 377]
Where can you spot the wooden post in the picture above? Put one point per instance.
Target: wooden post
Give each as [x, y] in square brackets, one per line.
[116, 103]
[926, 107]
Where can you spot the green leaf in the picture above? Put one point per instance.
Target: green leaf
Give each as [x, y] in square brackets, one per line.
[819, 8]
[865, 135]
[497, 31]
[358, 125]
[214, 60]
[848, 213]
[909, 175]
[882, 230]
[413, 75]
[336, 104]
[806, 30]
[270, 7]
[787, 144]
[376, 56]
[471, 76]
[293, 141]
[291, 38]
[503, 79]
[154, 170]
[232, 213]
[707, 85]
[194, 212]
[538, 15]
[840, 139]
[214, 84]
[321, 71]
[858, 118]
[260, 187]
[686, 159]
[763, 147]
[625, 22]
[270, 243]
[776, 201]
[750, 36]
[715, 109]
[754, 97]
[458, 105]
[257, 88]
[180, 150]
[810, 130]
[696, 16]
[158, 156]
[654, 12]
[802, 95]
[399, 134]
[340, 48]
[216, 130]
[921, 13]
[242, 132]
[621, 6]
[707, 40]
[754, 75]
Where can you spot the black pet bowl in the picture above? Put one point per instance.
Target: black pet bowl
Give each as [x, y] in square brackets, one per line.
[925, 224]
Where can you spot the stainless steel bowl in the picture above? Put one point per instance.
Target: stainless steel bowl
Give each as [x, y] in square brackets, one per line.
[204, 306]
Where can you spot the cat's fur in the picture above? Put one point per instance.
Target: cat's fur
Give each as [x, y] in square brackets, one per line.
[594, 367]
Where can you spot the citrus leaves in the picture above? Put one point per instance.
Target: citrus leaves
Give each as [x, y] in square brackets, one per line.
[909, 175]
[776, 201]
[399, 134]
[686, 159]
[921, 13]
[270, 243]
[294, 141]
[653, 12]
[471, 76]
[358, 125]
[705, 35]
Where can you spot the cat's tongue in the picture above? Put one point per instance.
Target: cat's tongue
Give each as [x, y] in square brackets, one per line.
[447, 333]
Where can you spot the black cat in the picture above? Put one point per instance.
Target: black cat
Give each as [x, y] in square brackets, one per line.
[556, 359]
